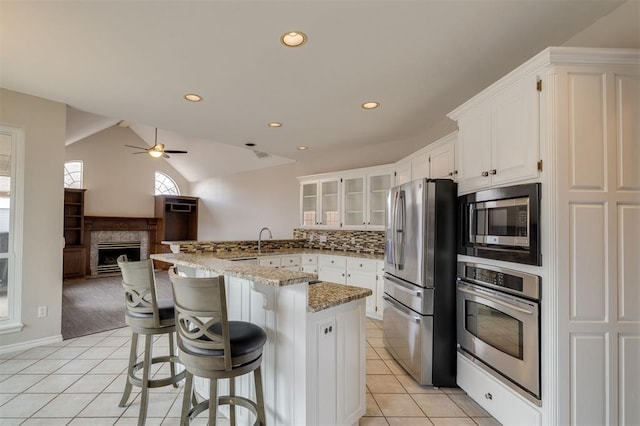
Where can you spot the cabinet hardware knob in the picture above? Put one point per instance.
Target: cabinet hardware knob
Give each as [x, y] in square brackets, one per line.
[368, 223]
[450, 174]
[488, 395]
[363, 223]
[492, 171]
[326, 330]
[485, 174]
[330, 328]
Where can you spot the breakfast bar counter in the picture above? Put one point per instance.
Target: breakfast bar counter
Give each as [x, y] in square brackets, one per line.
[314, 360]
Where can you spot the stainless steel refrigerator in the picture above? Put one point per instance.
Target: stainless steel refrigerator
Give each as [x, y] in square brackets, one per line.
[419, 280]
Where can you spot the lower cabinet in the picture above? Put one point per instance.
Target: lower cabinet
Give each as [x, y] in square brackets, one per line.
[358, 272]
[336, 376]
[496, 398]
[290, 262]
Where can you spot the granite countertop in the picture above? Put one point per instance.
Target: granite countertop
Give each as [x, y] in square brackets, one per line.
[325, 295]
[259, 274]
[321, 295]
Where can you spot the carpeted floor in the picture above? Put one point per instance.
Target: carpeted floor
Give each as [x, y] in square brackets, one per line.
[93, 305]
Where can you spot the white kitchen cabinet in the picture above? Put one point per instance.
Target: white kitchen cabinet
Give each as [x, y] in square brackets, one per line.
[498, 139]
[436, 160]
[402, 173]
[355, 271]
[351, 199]
[585, 129]
[364, 195]
[336, 378]
[442, 158]
[320, 203]
[271, 261]
[291, 262]
[309, 263]
[332, 268]
[362, 273]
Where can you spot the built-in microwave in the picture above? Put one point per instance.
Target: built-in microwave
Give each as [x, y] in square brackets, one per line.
[502, 223]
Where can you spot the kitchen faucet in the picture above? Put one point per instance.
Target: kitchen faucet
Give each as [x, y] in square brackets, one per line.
[260, 237]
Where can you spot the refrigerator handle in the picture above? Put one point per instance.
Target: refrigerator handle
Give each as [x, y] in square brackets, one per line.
[403, 207]
[394, 230]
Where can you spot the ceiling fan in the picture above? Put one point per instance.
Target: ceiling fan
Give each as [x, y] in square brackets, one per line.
[157, 150]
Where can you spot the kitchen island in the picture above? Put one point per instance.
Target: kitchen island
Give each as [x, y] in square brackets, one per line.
[314, 360]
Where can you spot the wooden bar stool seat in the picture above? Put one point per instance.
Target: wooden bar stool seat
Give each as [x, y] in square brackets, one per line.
[213, 347]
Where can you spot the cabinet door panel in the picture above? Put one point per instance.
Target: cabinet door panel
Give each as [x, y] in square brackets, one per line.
[366, 280]
[474, 148]
[332, 275]
[353, 193]
[327, 368]
[442, 162]
[514, 150]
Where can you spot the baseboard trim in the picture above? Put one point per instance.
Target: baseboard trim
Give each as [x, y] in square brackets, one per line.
[23, 346]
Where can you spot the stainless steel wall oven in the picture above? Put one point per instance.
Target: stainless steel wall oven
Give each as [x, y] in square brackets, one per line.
[499, 324]
[502, 223]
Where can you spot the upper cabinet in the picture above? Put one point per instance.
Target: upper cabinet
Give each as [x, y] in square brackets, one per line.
[364, 194]
[320, 202]
[352, 199]
[436, 160]
[498, 139]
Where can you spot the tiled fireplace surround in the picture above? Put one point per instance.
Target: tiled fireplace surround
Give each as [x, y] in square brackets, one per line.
[100, 229]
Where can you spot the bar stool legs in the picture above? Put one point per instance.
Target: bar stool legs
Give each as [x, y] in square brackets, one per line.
[145, 382]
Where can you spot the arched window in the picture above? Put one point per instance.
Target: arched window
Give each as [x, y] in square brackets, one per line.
[165, 185]
[73, 174]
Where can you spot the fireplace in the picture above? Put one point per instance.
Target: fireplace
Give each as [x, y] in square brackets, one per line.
[109, 237]
[108, 254]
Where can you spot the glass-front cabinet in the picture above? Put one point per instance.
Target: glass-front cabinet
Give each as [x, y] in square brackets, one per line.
[352, 199]
[378, 184]
[320, 203]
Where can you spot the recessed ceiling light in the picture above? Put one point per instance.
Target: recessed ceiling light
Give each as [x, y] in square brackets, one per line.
[192, 97]
[274, 124]
[293, 38]
[303, 148]
[370, 105]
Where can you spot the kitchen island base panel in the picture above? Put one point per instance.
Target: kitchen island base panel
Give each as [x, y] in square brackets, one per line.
[299, 372]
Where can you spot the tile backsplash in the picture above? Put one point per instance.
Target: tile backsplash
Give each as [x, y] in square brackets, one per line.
[357, 241]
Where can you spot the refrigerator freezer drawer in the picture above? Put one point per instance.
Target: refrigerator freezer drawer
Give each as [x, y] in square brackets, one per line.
[419, 299]
[408, 338]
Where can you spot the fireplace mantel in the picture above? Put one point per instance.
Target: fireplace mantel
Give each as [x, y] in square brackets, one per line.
[118, 224]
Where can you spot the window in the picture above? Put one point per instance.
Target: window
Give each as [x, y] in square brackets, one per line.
[73, 174]
[11, 200]
[165, 185]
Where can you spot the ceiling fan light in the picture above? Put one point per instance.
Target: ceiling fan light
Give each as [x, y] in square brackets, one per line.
[155, 154]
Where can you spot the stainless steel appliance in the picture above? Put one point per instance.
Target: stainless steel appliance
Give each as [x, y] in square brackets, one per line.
[419, 279]
[499, 324]
[502, 223]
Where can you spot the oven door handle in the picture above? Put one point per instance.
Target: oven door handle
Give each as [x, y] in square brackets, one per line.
[495, 300]
[402, 310]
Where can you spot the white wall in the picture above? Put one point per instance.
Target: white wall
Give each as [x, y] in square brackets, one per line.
[118, 182]
[238, 206]
[44, 124]
[620, 29]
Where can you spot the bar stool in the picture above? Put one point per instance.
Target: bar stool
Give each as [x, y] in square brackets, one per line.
[213, 347]
[149, 316]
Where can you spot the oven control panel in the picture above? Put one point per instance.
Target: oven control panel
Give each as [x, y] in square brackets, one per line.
[515, 282]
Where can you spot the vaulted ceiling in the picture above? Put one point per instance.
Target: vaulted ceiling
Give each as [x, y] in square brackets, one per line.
[135, 60]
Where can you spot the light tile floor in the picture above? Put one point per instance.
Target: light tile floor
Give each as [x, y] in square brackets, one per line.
[394, 398]
[80, 381]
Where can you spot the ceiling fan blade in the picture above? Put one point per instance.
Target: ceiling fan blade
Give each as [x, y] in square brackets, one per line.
[140, 152]
[171, 151]
[137, 147]
[164, 155]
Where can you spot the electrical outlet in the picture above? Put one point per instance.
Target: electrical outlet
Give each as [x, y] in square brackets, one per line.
[42, 311]
[323, 238]
[310, 237]
[353, 240]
